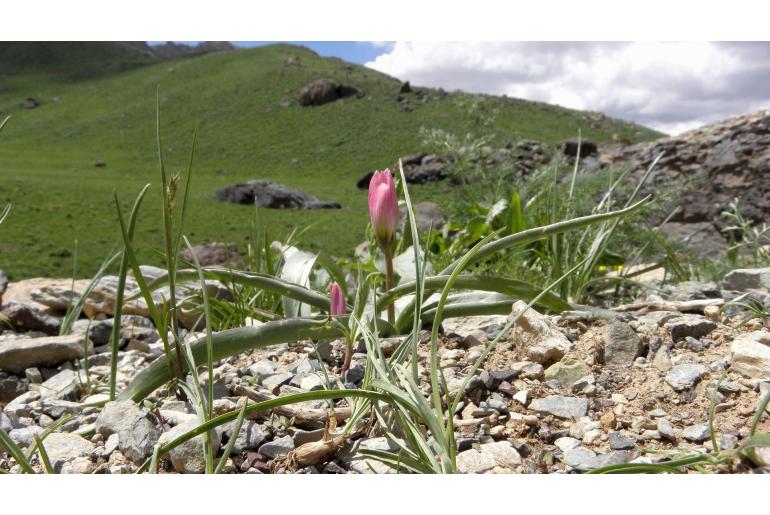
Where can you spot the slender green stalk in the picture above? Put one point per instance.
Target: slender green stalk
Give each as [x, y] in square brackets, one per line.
[233, 437]
[118, 309]
[388, 251]
[209, 344]
[43, 454]
[158, 320]
[168, 194]
[14, 450]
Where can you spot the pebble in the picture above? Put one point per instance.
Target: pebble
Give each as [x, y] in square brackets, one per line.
[566, 443]
[137, 428]
[622, 344]
[751, 354]
[690, 325]
[475, 462]
[560, 406]
[621, 442]
[698, 433]
[65, 447]
[250, 436]
[684, 377]
[522, 397]
[188, 457]
[278, 447]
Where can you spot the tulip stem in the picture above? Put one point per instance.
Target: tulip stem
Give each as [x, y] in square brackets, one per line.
[348, 356]
[389, 281]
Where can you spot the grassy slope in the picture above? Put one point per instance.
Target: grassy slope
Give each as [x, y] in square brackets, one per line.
[47, 154]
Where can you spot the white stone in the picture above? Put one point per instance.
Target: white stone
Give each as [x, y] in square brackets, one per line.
[751, 354]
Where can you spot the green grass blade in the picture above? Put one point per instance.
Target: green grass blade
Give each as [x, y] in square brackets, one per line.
[230, 342]
[233, 438]
[537, 233]
[118, 311]
[43, 454]
[254, 280]
[74, 313]
[14, 450]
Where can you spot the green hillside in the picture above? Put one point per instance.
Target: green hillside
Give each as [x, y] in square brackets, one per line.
[250, 127]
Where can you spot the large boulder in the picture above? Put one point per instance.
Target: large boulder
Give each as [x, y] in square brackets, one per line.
[271, 195]
[324, 91]
[23, 317]
[20, 353]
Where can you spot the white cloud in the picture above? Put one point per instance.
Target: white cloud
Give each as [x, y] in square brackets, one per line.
[669, 86]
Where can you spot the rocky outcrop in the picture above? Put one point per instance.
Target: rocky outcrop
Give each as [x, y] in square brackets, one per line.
[324, 91]
[727, 159]
[271, 195]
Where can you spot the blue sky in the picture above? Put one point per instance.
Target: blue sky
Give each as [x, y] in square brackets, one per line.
[358, 52]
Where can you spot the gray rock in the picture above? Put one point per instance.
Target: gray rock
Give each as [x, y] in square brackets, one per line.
[63, 448]
[538, 334]
[277, 380]
[250, 437]
[662, 360]
[694, 344]
[666, 430]
[136, 427]
[621, 442]
[271, 195]
[64, 385]
[262, 369]
[56, 408]
[565, 443]
[323, 91]
[580, 458]
[698, 433]
[33, 375]
[25, 436]
[503, 452]
[475, 462]
[189, 457]
[308, 365]
[11, 386]
[561, 407]
[311, 382]
[355, 374]
[19, 354]
[5, 422]
[622, 345]
[585, 385]
[19, 407]
[24, 317]
[743, 279]
[364, 465]
[690, 325]
[684, 377]
[278, 447]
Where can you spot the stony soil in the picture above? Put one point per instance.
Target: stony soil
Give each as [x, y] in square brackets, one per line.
[558, 394]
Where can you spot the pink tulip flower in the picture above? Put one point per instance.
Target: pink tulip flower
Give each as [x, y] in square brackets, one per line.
[383, 207]
[336, 301]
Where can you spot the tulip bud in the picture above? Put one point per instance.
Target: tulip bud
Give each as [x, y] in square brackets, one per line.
[336, 301]
[383, 207]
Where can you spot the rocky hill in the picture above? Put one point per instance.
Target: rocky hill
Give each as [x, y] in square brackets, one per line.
[729, 159]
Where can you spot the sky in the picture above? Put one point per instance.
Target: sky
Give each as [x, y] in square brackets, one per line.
[672, 87]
